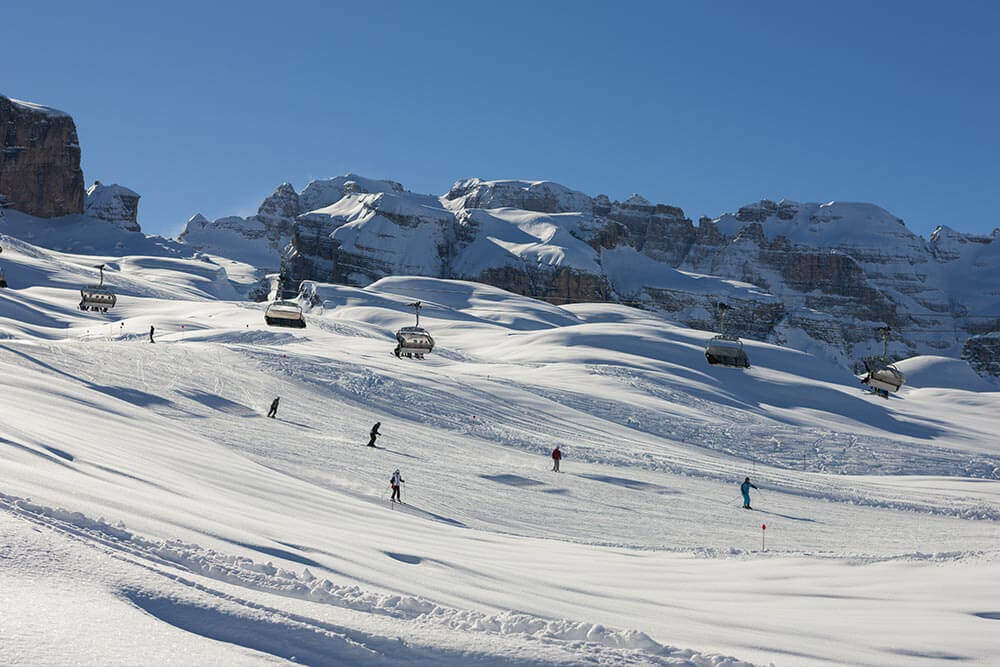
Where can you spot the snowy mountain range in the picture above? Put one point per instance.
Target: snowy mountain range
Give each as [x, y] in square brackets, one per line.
[821, 277]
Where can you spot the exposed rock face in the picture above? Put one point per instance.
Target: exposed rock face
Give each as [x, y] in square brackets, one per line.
[283, 204]
[39, 160]
[820, 277]
[983, 354]
[114, 203]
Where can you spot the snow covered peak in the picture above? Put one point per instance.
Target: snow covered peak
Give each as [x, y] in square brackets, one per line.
[113, 203]
[197, 219]
[98, 189]
[830, 225]
[321, 193]
[39, 108]
[949, 245]
[539, 196]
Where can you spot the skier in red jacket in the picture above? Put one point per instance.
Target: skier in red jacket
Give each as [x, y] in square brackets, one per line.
[556, 456]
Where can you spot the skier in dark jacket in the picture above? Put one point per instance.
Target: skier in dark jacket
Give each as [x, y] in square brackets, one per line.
[745, 490]
[395, 481]
[556, 457]
[151, 330]
[374, 434]
[273, 412]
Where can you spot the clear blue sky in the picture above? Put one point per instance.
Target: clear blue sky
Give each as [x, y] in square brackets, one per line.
[206, 107]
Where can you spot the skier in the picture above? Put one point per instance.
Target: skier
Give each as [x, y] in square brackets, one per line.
[394, 482]
[273, 412]
[151, 330]
[374, 434]
[556, 457]
[745, 490]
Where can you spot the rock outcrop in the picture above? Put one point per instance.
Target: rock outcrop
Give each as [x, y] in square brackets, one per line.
[115, 204]
[39, 160]
[983, 354]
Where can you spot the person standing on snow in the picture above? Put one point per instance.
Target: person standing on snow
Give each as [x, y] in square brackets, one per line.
[556, 457]
[745, 490]
[151, 330]
[394, 482]
[374, 434]
[273, 412]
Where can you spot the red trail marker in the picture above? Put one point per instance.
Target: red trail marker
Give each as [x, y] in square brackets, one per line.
[763, 531]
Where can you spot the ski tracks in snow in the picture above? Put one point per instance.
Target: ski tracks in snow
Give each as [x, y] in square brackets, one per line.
[314, 641]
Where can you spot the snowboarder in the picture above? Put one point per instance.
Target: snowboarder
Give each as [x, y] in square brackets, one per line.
[374, 434]
[745, 490]
[273, 412]
[394, 482]
[151, 330]
[556, 457]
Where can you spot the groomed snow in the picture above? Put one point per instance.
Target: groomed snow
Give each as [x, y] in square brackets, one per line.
[150, 512]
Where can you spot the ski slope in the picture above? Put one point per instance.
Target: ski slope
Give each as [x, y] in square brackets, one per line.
[151, 513]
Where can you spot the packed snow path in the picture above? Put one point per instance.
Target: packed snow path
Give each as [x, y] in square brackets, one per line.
[177, 491]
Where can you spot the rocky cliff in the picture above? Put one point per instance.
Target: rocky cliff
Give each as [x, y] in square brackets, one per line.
[820, 277]
[39, 160]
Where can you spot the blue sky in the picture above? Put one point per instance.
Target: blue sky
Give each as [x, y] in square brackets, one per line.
[206, 107]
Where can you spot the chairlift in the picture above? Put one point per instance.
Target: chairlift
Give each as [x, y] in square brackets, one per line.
[877, 373]
[284, 314]
[413, 341]
[97, 297]
[726, 350]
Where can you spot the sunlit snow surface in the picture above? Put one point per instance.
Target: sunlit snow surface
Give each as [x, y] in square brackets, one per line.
[152, 514]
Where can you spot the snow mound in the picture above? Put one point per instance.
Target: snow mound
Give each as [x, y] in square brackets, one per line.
[929, 371]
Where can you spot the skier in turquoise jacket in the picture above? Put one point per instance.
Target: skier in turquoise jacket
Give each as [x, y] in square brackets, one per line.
[745, 490]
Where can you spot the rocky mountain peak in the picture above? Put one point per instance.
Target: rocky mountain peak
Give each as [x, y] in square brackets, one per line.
[113, 203]
[636, 201]
[282, 203]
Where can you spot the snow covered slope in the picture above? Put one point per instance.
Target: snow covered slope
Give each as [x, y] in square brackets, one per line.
[149, 508]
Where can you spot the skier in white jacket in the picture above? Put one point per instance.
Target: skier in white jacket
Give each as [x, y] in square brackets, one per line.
[395, 481]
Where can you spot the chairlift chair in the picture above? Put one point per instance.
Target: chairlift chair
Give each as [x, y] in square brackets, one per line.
[413, 341]
[97, 297]
[877, 373]
[284, 314]
[726, 350]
